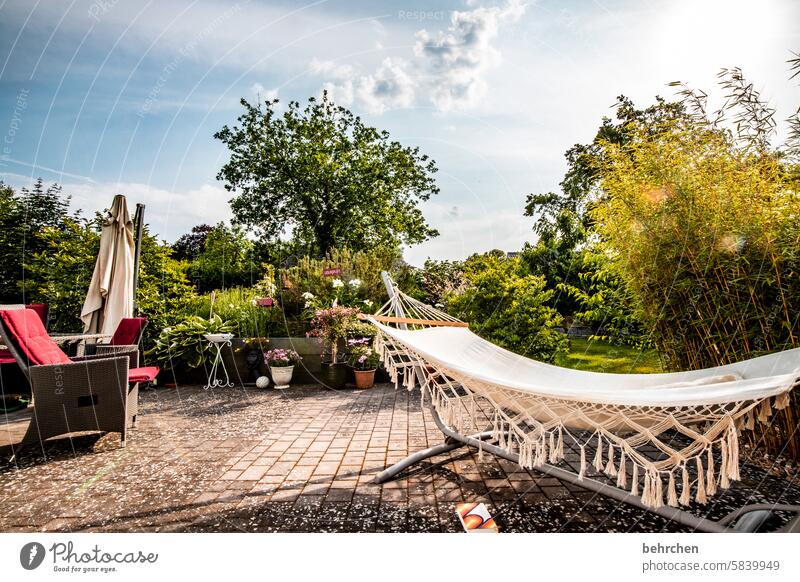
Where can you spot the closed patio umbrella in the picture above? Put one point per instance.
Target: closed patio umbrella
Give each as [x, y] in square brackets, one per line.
[110, 296]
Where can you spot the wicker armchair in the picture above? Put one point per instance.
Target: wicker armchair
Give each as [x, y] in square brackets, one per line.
[89, 393]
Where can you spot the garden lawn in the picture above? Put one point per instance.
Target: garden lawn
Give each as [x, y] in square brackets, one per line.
[599, 356]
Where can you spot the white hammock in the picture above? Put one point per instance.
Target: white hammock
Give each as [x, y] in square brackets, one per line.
[622, 418]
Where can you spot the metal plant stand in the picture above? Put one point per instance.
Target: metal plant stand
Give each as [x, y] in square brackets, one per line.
[219, 341]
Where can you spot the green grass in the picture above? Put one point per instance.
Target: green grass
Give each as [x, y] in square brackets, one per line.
[599, 356]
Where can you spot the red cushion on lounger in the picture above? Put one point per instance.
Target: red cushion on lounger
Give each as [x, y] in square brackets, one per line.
[146, 374]
[129, 331]
[6, 357]
[40, 309]
[28, 331]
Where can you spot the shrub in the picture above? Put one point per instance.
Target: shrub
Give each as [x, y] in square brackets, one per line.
[184, 344]
[506, 305]
[238, 307]
[330, 326]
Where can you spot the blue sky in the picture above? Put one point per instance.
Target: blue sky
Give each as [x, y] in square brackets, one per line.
[117, 96]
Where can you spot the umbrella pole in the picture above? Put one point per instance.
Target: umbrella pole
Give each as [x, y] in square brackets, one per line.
[138, 219]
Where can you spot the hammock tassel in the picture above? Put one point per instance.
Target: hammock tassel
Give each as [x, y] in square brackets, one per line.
[781, 401]
[686, 494]
[672, 494]
[733, 454]
[553, 451]
[724, 482]
[658, 489]
[598, 455]
[701, 485]
[647, 493]
[560, 453]
[582, 472]
[635, 480]
[622, 476]
[711, 480]
[610, 469]
[764, 411]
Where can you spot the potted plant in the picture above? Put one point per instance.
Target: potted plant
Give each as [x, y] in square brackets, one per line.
[330, 327]
[281, 366]
[364, 360]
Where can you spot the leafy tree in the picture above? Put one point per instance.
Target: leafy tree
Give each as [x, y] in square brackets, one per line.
[165, 294]
[225, 260]
[23, 216]
[508, 306]
[59, 274]
[191, 244]
[563, 221]
[326, 176]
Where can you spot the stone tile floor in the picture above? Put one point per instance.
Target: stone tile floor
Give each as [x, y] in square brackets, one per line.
[300, 460]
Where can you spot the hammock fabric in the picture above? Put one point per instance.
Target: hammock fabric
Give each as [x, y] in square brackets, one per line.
[690, 420]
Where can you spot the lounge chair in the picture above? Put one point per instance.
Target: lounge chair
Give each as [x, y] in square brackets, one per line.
[88, 393]
[12, 380]
[665, 440]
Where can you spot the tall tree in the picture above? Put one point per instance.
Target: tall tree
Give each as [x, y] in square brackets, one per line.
[23, 216]
[324, 174]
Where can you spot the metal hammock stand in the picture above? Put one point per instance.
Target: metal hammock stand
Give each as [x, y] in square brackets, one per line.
[403, 311]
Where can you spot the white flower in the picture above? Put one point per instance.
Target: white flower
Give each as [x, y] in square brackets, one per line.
[253, 302]
[354, 282]
[367, 302]
[308, 304]
[307, 296]
[337, 283]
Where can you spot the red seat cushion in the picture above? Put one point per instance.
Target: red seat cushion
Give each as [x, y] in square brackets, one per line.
[145, 374]
[29, 334]
[128, 331]
[40, 309]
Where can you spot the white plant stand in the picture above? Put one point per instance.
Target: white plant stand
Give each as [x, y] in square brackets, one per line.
[218, 341]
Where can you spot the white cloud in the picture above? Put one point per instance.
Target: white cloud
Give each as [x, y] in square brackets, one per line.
[453, 61]
[259, 91]
[390, 87]
[459, 56]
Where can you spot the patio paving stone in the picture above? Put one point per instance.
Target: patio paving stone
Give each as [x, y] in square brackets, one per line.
[299, 460]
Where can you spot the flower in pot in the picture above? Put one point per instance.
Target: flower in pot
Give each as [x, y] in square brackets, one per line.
[364, 360]
[330, 326]
[281, 364]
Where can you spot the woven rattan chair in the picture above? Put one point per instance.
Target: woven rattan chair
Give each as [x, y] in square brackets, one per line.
[89, 393]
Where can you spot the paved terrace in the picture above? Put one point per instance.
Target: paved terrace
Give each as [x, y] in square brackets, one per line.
[301, 460]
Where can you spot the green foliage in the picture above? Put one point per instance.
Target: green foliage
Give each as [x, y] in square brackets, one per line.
[184, 345]
[224, 261]
[23, 216]
[331, 326]
[602, 300]
[237, 307]
[306, 287]
[704, 234]
[189, 246]
[164, 295]
[59, 274]
[333, 180]
[440, 279]
[507, 305]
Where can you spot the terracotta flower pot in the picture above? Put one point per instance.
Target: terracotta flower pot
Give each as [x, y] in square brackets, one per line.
[364, 378]
[281, 376]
